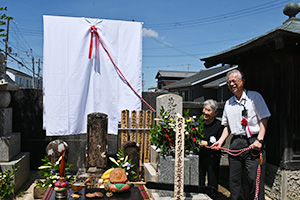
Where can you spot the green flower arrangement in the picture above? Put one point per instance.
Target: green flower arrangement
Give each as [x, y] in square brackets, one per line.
[51, 173]
[6, 178]
[124, 163]
[163, 134]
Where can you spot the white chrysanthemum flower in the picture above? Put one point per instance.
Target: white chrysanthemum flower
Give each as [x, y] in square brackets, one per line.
[194, 117]
[186, 133]
[212, 139]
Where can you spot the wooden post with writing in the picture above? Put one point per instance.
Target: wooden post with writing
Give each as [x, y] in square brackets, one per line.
[179, 159]
[140, 138]
[124, 124]
[148, 122]
[133, 125]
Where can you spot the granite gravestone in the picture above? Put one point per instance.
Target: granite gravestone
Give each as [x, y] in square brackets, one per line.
[172, 103]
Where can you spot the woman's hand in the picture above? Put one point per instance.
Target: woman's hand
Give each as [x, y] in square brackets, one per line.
[203, 143]
[217, 145]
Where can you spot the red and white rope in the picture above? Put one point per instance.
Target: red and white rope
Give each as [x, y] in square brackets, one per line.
[238, 152]
[93, 31]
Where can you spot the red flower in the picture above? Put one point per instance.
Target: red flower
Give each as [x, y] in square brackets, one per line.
[193, 129]
[244, 122]
[166, 135]
[167, 129]
[170, 143]
[169, 139]
[194, 139]
[189, 135]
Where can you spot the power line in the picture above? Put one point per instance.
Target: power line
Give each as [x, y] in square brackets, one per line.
[220, 18]
[167, 66]
[205, 43]
[176, 49]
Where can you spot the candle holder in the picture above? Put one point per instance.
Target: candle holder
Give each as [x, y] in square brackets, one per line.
[61, 188]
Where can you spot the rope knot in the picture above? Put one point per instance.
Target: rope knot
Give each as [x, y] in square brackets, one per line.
[93, 29]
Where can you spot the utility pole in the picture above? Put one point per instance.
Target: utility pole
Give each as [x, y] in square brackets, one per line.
[39, 71]
[6, 46]
[33, 81]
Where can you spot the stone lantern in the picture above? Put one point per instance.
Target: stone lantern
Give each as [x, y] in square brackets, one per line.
[10, 142]
[6, 85]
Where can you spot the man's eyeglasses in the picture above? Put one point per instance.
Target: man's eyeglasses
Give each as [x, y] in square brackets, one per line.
[234, 81]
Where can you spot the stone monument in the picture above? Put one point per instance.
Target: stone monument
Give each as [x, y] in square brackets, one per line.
[172, 103]
[96, 148]
[10, 143]
[161, 168]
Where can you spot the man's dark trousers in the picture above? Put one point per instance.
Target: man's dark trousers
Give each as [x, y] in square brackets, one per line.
[247, 163]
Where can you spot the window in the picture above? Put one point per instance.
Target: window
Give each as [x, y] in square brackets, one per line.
[185, 95]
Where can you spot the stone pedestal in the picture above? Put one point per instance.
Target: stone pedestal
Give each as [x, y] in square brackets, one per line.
[161, 169]
[10, 146]
[5, 121]
[10, 149]
[22, 173]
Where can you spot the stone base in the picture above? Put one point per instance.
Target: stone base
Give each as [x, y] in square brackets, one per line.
[22, 173]
[161, 169]
[282, 183]
[166, 172]
[10, 146]
[5, 121]
[150, 175]
[155, 196]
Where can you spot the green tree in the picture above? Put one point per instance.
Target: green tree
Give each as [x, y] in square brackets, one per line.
[3, 19]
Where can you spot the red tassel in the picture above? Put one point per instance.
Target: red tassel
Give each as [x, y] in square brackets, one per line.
[62, 164]
[261, 159]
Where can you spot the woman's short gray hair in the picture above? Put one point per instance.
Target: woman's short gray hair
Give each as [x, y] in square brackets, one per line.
[212, 103]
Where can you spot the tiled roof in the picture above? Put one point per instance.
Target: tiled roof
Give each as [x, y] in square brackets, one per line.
[201, 76]
[176, 74]
[291, 26]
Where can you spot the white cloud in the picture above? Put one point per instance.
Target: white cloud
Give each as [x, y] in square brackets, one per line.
[149, 33]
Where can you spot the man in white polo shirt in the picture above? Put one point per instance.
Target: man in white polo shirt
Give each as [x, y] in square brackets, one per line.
[245, 116]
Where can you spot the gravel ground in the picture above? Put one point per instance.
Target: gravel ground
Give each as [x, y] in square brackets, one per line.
[26, 191]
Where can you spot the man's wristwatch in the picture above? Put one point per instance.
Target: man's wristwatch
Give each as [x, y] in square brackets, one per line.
[260, 141]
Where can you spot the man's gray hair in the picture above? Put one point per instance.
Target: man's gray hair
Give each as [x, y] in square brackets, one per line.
[240, 75]
[212, 103]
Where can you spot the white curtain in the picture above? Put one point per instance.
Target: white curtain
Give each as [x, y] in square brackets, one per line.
[75, 86]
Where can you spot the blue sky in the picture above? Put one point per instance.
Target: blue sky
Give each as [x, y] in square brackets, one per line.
[177, 33]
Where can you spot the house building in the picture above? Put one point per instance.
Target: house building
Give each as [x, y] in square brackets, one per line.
[271, 66]
[22, 79]
[165, 77]
[206, 84]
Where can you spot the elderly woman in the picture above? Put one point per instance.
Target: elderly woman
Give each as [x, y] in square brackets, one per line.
[209, 160]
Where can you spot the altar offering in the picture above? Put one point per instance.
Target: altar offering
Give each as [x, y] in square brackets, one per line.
[117, 182]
